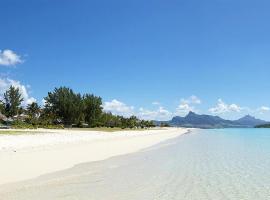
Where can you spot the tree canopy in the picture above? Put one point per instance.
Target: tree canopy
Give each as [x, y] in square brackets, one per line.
[65, 107]
[65, 104]
[12, 101]
[92, 109]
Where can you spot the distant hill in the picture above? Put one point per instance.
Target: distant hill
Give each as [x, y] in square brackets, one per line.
[194, 120]
[250, 121]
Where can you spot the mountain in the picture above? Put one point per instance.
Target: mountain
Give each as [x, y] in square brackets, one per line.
[250, 121]
[208, 121]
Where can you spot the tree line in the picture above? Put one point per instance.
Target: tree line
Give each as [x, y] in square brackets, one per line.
[63, 107]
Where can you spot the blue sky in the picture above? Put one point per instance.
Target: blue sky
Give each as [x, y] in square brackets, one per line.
[154, 59]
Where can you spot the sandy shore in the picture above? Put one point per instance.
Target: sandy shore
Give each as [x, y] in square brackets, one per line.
[27, 156]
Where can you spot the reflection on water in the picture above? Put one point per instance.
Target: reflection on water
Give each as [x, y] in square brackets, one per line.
[229, 164]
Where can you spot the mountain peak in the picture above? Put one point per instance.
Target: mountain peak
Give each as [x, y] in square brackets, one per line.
[191, 114]
[248, 117]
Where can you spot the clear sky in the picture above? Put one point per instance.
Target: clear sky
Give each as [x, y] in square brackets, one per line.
[151, 58]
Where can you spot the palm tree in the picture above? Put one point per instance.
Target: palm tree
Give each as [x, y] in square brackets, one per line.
[33, 110]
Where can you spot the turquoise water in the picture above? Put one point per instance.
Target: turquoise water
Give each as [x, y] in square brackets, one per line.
[225, 164]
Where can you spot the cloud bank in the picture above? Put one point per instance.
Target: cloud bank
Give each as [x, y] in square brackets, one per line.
[159, 113]
[222, 108]
[118, 108]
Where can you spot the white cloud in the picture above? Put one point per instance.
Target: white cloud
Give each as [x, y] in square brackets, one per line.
[159, 114]
[6, 83]
[187, 105]
[118, 108]
[222, 108]
[263, 109]
[9, 58]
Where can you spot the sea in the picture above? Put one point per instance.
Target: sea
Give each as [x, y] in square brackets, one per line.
[216, 164]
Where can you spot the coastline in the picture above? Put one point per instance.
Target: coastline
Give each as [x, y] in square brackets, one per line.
[28, 156]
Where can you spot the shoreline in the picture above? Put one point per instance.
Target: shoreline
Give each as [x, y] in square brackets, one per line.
[28, 156]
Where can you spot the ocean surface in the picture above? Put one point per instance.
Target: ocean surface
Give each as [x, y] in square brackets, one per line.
[225, 164]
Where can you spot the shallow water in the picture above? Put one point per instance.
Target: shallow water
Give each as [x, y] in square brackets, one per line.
[225, 164]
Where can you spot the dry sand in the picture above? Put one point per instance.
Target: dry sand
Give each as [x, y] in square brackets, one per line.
[27, 156]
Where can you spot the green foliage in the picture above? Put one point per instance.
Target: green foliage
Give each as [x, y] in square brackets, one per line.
[33, 111]
[12, 101]
[2, 108]
[92, 109]
[110, 120]
[263, 126]
[65, 105]
[146, 124]
[163, 124]
[17, 124]
[46, 117]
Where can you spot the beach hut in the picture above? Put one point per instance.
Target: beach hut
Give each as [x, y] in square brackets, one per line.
[3, 118]
[21, 117]
[4, 122]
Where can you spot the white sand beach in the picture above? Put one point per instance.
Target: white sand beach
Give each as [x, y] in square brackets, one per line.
[29, 155]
